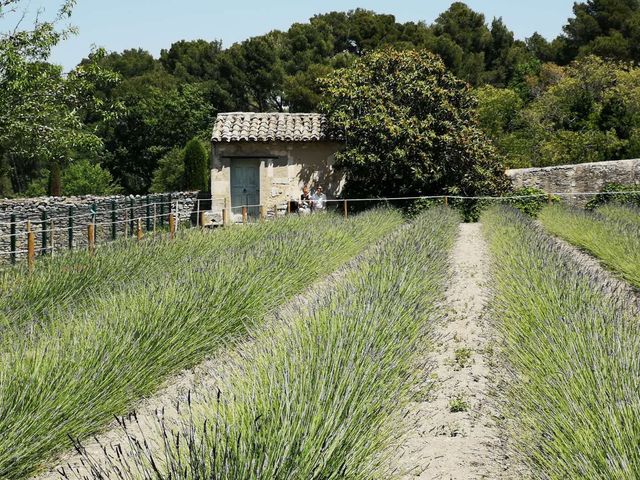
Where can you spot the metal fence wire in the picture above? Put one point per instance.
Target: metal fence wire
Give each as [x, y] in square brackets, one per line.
[104, 223]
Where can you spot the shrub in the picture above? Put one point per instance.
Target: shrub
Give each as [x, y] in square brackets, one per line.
[83, 177]
[616, 193]
[169, 176]
[533, 202]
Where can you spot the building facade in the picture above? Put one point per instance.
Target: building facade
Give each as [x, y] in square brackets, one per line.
[265, 159]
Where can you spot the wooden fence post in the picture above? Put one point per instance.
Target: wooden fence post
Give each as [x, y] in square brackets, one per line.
[201, 219]
[31, 247]
[346, 214]
[172, 227]
[244, 215]
[446, 201]
[139, 229]
[91, 238]
[13, 239]
[263, 213]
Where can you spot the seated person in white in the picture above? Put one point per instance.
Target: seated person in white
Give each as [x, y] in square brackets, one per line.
[319, 199]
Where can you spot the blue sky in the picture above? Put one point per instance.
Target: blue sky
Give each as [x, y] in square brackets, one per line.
[155, 24]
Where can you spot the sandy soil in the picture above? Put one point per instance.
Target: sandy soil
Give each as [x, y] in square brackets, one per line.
[467, 444]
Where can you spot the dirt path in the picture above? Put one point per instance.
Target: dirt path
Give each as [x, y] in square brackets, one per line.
[453, 433]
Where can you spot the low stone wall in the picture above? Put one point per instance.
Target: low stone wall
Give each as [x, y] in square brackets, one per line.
[576, 179]
[57, 233]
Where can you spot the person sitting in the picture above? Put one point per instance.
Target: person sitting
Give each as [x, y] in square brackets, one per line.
[319, 199]
[305, 198]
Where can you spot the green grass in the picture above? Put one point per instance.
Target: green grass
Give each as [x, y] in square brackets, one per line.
[573, 394]
[92, 360]
[620, 214]
[615, 243]
[319, 396]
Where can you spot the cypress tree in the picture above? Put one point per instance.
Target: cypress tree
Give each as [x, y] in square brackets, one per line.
[196, 166]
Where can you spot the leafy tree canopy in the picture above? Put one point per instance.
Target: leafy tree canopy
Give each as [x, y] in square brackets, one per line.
[410, 128]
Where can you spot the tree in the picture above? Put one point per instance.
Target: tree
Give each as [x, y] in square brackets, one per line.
[41, 110]
[55, 180]
[410, 129]
[194, 60]
[196, 166]
[169, 176]
[607, 28]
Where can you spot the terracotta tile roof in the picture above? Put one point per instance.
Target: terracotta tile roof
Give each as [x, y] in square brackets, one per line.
[269, 127]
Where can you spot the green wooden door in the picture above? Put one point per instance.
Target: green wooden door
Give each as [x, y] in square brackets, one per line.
[245, 185]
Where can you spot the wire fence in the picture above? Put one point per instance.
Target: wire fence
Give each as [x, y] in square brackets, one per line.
[27, 238]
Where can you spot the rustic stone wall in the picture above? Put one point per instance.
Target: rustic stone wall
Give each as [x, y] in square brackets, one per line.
[576, 179]
[59, 209]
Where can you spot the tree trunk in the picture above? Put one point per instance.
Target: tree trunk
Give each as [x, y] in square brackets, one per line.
[55, 180]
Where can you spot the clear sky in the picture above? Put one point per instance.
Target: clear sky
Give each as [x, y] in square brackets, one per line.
[155, 24]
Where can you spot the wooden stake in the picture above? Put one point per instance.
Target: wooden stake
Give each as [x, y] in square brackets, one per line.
[201, 219]
[446, 201]
[244, 215]
[346, 214]
[224, 217]
[31, 247]
[275, 211]
[139, 229]
[91, 237]
[263, 213]
[172, 226]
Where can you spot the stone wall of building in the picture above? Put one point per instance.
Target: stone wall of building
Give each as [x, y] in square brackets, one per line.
[285, 167]
[577, 179]
[126, 210]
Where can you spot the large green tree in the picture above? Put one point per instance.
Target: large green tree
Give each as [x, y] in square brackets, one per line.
[410, 128]
[41, 110]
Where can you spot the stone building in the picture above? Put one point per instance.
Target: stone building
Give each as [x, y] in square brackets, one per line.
[267, 158]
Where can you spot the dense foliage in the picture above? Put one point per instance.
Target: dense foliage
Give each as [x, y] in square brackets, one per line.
[127, 110]
[409, 127]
